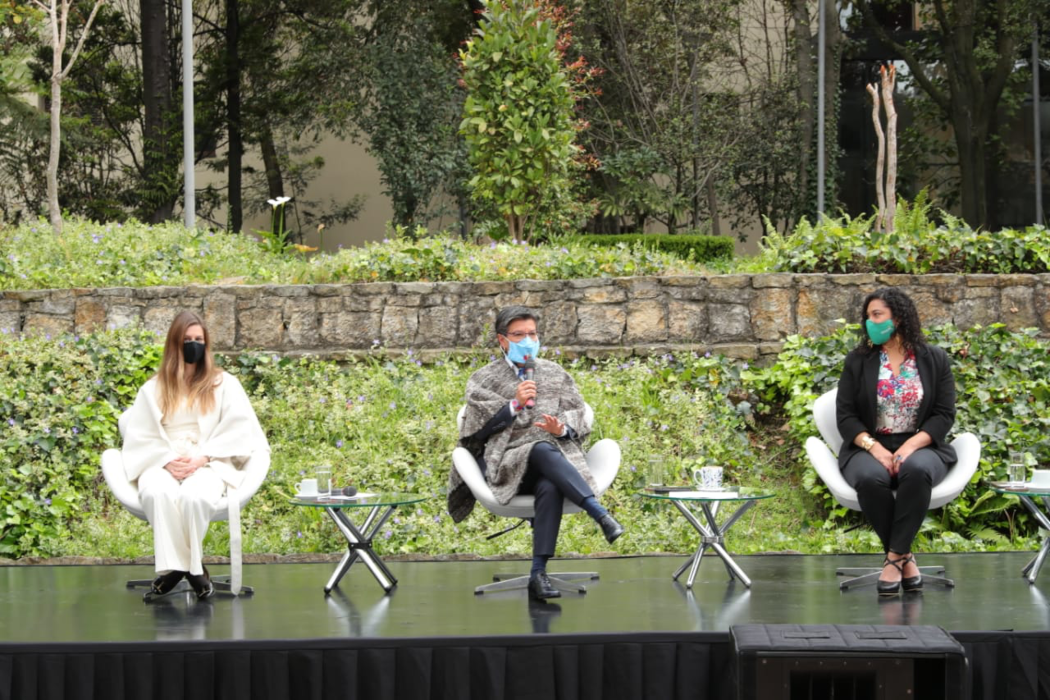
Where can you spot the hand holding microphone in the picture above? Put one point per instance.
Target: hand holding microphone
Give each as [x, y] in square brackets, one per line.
[530, 371]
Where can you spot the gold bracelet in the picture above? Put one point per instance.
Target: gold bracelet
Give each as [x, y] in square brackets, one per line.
[867, 443]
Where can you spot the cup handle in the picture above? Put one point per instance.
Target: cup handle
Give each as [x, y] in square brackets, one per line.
[299, 487]
[696, 475]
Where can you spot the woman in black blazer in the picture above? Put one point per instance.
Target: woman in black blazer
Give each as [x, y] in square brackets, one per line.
[895, 406]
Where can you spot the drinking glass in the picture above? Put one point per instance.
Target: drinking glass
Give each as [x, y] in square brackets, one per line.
[657, 471]
[1016, 467]
[324, 482]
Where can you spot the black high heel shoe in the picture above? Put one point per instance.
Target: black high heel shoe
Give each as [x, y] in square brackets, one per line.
[890, 587]
[912, 583]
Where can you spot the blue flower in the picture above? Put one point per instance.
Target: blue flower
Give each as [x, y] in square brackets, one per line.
[393, 405]
[339, 443]
[437, 518]
[361, 398]
[47, 501]
[299, 533]
[565, 250]
[387, 534]
[75, 430]
[11, 421]
[47, 431]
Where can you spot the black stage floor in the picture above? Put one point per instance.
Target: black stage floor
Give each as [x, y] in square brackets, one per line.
[90, 604]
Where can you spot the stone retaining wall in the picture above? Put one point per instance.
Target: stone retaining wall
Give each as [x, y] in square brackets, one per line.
[740, 315]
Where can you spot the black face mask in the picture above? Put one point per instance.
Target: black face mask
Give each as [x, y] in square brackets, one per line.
[192, 351]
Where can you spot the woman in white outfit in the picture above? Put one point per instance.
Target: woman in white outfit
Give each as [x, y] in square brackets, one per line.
[188, 433]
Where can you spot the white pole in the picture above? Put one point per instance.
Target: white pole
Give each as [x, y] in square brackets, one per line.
[1037, 119]
[820, 107]
[187, 113]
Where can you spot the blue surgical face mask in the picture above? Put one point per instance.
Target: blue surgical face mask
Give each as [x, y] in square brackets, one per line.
[526, 347]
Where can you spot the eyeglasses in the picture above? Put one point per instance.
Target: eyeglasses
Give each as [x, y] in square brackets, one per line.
[516, 336]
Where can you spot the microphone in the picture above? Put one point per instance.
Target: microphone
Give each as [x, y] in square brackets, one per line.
[530, 370]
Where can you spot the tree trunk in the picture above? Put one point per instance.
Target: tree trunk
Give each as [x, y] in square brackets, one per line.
[712, 205]
[832, 71]
[888, 80]
[274, 181]
[880, 137]
[157, 152]
[233, 107]
[54, 211]
[806, 92]
[972, 172]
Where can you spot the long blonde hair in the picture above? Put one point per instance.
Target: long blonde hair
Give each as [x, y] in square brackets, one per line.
[175, 384]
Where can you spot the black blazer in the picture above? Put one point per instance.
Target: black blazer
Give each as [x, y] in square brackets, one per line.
[855, 406]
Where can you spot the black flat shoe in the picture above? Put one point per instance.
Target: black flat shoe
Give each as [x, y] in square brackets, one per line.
[201, 584]
[912, 583]
[163, 584]
[890, 587]
[541, 588]
[610, 528]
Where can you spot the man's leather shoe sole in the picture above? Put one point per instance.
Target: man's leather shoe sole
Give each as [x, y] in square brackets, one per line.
[610, 528]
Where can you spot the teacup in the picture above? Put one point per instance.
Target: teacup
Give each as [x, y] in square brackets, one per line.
[708, 478]
[306, 487]
[1041, 477]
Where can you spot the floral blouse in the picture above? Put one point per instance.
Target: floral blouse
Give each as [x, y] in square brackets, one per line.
[899, 396]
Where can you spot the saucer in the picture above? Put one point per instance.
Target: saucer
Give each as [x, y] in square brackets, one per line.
[712, 489]
[306, 495]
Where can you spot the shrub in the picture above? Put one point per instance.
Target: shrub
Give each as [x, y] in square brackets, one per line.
[1003, 396]
[917, 246]
[695, 248]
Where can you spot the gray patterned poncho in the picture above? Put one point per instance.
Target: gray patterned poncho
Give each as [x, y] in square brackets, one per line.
[507, 452]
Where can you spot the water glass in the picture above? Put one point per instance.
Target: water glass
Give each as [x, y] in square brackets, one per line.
[657, 471]
[1016, 467]
[324, 482]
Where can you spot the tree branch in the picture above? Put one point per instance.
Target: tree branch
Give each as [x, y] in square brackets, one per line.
[909, 56]
[83, 38]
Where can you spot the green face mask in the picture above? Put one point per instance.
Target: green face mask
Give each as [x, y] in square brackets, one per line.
[879, 332]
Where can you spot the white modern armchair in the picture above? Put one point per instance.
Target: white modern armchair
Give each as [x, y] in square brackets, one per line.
[603, 460]
[126, 491]
[823, 455]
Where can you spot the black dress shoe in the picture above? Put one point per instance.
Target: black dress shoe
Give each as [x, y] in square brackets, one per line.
[201, 584]
[163, 584]
[912, 583]
[540, 587]
[610, 528]
[890, 587]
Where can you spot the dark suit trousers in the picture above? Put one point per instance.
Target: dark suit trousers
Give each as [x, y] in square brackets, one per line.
[552, 479]
[896, 520]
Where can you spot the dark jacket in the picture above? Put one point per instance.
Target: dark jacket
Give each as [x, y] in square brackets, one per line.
[855, 405]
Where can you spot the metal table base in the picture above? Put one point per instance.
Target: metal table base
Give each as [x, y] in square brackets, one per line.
[1031, 569]
[712, 535]
[359, 546]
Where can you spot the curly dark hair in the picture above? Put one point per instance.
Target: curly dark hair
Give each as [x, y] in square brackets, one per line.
[906, 322]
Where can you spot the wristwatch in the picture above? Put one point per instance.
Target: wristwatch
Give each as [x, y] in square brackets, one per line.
[867, 442]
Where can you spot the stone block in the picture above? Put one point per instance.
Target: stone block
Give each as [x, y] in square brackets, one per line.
[58, 303]
[329, 304]
[10, 304]
[260, 329]
[894, 280]
[413, 288]
[404, 300]
[772, 313]
[686, 322]
[818, 309]
[983, 311]
[558, 323]
[355, 303]
[487, 289]
[646, 321]
[684, 281]
[932, 311]
[43, 324]
[438, 326]
[982, 280]
[729, 281]
[220, 315]
[477, 318]
[122, 316]
[400, 324]
[642, 288]
[372, 289]
[810, 279]
[1015, 280]
[159, 318]
[516, 298]
[346, 329]
[1018, 308]
[285, 290]
[326, 290]
[772, 279]
[1041, 301]
[697, 292]
[739, 351]
[301, 322]
[90, 315]
[941, 280]
[601, 295]
[591, 282]
[540, 285]
[862, 279]
[728, 322]
[733, 295]
[26, 294]
[10, 322]
[600, 324]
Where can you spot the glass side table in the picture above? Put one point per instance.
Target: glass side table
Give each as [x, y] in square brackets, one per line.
[692, 504]
[359, 540]
[1027, 493]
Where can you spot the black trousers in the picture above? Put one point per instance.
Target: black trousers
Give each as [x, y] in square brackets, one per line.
[896, 520]
[551, 479]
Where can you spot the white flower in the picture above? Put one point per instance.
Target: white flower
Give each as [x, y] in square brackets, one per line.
[278, 202]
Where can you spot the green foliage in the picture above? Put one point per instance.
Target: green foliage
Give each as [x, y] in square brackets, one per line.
[519, 114]
[687, 247]
[59, 402]
[133, 254]
[918, 246]
[1003, 397]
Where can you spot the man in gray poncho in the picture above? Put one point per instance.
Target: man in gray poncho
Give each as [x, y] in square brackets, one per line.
[526, 435]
